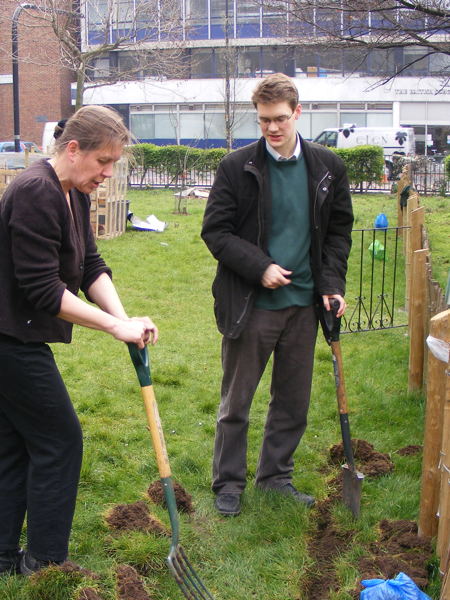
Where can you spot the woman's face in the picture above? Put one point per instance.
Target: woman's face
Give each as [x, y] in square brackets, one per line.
[89, 168]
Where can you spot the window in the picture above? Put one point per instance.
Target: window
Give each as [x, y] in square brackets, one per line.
[143, 126]
[247, 19]
[192, 126]
[358, 119]
[321, 121]
[214, 126]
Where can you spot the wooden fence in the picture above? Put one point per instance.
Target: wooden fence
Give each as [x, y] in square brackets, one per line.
[429, 369]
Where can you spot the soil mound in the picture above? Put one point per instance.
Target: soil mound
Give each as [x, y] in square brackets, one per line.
[129, 584]
[369, 461]
[410, 450]
[135, 516]
[183, 499]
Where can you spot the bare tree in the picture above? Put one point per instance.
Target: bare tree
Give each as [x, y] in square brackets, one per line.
[370, 25]
[106, 41]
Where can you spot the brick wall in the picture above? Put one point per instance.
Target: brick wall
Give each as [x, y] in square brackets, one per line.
[44, 84]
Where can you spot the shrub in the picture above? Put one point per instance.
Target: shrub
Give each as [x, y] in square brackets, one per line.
[363, 163]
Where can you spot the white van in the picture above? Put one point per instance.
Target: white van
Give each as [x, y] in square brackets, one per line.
[395, 141]
[47, 137]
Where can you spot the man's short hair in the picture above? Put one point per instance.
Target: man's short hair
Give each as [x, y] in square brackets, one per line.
[276, 88]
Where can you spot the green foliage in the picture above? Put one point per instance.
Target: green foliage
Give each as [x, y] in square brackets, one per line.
[175, 160]
[364, 163]
[447, 165]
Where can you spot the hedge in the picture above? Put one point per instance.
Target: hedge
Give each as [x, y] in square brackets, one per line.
[364, 163]
[447, 165]
[175, 160]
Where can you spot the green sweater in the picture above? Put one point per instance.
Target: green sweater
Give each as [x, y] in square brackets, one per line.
[289, 237]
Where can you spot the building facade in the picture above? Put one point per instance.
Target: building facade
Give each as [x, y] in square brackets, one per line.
[238, 42]
[44, 85]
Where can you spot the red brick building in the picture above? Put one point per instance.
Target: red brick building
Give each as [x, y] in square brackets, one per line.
[44, 83]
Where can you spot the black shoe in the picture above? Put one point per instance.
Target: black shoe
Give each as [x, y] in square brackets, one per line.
[289, 490]
[228, 505]
[29, 564]
[10, 561]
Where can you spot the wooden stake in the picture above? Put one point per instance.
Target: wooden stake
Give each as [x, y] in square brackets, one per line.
[431, 475]
[443, 539]
[417, 320]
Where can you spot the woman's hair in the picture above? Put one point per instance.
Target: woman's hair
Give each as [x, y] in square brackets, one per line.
[276, 88]
[92, 127]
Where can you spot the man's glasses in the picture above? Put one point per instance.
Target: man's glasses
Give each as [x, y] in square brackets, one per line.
[281, 120]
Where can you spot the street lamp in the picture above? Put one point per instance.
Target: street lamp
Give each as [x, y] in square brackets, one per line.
[15, 72]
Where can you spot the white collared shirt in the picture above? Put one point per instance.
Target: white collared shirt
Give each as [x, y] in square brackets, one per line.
[277, 156]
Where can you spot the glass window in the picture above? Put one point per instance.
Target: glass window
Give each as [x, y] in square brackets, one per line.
[202, 63]
[214, 126]
[355, 60]
[245, 126]
[218, 18]
[278, 59]
[142, 126]
[379, 119]
[439, 63]
[413, 112]
[192, 126]
[438, 111]
[274, 20]
[321, 121]
[166, 127]
[418, 63]
[248, 62]
[247, 19]
[358, 119]
[197, 19]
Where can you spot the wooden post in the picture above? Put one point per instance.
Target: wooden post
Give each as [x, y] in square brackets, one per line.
[431, 476]
[414, 222]
[416, 319]
[443, 539]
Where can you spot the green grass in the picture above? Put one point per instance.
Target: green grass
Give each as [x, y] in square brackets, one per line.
[263, 553]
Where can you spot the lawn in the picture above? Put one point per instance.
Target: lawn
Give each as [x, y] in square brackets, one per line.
[266, 552]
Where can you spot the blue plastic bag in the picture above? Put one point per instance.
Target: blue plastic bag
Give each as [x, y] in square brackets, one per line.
[381, 221]
[400, 588]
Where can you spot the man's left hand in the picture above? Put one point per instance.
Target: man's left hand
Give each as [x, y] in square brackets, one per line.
[342, 304]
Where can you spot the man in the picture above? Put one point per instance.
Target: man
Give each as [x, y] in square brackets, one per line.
[278, 220]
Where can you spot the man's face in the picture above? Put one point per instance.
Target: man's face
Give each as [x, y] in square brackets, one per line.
[278, 125]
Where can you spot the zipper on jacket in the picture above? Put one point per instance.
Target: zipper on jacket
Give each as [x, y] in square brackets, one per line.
[327, 174]
[250, 167]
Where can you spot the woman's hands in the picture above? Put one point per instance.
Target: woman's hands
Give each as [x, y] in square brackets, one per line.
[138, 330]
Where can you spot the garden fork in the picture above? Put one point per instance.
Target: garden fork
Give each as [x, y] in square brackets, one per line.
[185, 575]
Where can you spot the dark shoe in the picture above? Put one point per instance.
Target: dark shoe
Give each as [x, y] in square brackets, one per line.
[289, 490]
[228, 505]
[10, 561]
[29, 564]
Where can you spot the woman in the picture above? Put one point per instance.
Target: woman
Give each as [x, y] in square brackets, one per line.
[47, 254]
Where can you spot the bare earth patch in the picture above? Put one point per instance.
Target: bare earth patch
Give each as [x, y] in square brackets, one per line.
[398, 547]
[129, 584]
[183, 499]
[135, 516]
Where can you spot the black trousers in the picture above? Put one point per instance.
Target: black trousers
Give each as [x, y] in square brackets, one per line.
[40, 451]
[290, 334]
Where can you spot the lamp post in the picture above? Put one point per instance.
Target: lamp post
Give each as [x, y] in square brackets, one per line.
[15, 72]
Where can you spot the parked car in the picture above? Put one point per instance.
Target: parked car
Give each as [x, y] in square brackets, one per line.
[10, 147]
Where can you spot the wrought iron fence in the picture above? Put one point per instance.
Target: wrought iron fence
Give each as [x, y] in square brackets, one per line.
[376, 281]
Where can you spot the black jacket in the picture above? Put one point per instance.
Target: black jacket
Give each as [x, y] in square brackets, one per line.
[237, 223]
[44, 249]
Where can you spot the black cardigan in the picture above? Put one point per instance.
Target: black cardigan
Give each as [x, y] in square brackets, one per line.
[43, 251]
